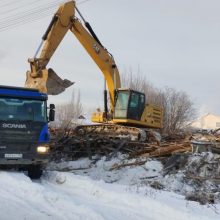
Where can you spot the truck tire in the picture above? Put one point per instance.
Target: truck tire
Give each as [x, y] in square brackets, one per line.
[35, 171]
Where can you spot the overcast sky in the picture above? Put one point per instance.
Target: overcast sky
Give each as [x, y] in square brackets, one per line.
[175, 43]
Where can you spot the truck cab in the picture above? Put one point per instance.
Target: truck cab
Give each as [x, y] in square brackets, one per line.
[24, 134]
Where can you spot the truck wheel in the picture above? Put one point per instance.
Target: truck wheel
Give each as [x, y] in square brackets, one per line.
[35, 171]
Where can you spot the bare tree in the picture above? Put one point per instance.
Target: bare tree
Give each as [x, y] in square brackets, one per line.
[177, 106]
[68, 113]
[178, 109]
[140, 83]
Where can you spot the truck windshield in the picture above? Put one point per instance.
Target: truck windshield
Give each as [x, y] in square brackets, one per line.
[22, 110]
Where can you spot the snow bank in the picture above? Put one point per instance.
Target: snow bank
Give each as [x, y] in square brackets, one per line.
[60, 195]
[101, 170]
[191, 176]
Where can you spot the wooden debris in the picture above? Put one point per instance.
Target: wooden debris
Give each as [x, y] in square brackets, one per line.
[216, 180]
[169, 150]
[118, 166]
[68, 144]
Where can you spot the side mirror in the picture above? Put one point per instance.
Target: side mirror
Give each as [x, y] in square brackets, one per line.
[52, 106]
[52, 112]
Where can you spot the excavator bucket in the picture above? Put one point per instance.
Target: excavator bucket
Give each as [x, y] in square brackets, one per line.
[55, 85]
[47, 82]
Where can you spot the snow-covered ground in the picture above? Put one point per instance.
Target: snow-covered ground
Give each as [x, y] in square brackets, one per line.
[153, 173]
[62, 195]
[91, 191]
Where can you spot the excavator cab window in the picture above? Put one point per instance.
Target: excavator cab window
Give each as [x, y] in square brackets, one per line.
[121, 107]
[129, 105]
[136, 105]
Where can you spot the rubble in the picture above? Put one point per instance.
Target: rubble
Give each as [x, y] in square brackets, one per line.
[194, 175]
[72, 146]
[206, 140]
[197, 176]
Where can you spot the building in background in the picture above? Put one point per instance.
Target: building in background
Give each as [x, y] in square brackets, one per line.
[207, 122]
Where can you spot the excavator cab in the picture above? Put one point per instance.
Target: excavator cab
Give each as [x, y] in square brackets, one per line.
[129, 104]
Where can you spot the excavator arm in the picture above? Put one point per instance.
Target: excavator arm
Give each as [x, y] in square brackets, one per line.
[39, 77]
[101, 57]
[46, 80]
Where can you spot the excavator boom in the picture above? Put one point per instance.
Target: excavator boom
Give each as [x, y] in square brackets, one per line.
[46, 80]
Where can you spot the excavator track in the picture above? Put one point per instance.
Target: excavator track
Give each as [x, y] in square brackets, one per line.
[100, 139]
[115, 131]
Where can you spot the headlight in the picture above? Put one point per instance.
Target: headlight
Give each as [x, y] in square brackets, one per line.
[42, 149]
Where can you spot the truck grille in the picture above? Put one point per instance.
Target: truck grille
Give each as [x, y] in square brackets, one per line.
[20, 139]
[15, 136]
[14, 147]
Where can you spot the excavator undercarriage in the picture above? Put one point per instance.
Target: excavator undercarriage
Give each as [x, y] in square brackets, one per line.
[99, 140]
[112, 131]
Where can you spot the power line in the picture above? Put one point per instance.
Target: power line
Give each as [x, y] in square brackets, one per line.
[9, 3]
[83, 1]
[25, 21]
[17, 7]
[30, 11]
[26, 16]
[30, 15]
[21, 21]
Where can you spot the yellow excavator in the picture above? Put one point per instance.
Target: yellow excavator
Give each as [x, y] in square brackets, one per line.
[128, 113]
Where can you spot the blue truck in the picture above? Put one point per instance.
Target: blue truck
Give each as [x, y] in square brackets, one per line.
[24, 134]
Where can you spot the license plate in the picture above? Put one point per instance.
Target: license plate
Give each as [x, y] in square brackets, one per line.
[13, 156]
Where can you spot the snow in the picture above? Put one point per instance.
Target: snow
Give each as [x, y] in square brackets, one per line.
[101, 170]
[89, 190]
[153, 173]
[64, 195]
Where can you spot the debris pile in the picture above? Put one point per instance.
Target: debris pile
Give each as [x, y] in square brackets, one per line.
[196, 176]
[205, 140]
[70, 146]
